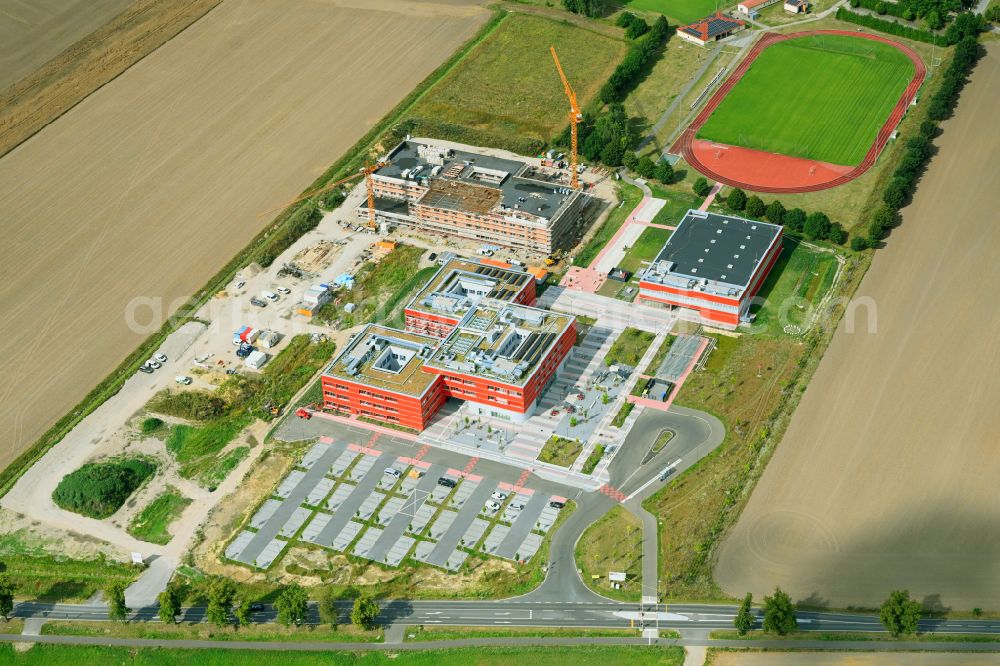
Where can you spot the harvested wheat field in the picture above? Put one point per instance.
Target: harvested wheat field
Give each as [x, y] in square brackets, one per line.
[887, 475]
[34, 31]
[151, 184]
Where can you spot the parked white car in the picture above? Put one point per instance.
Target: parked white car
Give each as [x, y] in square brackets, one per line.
[182, 379]
[269, 295]
[283, 290]
[160, 357]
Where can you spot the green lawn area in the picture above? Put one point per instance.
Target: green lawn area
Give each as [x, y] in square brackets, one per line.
[821, 98]
[630, 196]
[594, 458]
[681, 11]
[591, 655]
[560, 451]
[677, 204]
[152, 522]
[629, 347]
[195, 447]
[613, 543]
[507, 92]
[799, 279]
[645, 249]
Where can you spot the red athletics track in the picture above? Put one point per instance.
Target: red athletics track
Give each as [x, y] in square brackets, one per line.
[760, 171]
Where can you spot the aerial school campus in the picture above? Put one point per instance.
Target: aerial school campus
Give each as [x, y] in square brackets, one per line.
[594, 335]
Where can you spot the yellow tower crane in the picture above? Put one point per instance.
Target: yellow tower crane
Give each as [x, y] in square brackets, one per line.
[366, 171]
[574, 117]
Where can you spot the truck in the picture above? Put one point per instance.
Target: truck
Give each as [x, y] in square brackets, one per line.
[269, 339]
[244, 350]
[256, 360]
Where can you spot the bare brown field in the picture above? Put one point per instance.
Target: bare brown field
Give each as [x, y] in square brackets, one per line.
[89, 43]
[151, 184]
[771, 658]
[887, 475]
[32, 33]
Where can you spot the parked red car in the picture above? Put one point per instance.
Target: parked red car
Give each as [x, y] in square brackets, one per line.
[303, 413]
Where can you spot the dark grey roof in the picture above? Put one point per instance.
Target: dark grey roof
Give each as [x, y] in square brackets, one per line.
[719, 248]
[535, 197]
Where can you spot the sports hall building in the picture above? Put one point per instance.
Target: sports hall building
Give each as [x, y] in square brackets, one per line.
[714, 265]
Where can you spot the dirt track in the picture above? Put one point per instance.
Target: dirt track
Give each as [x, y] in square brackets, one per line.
[152, 183]
[33, 32]
[887, 475]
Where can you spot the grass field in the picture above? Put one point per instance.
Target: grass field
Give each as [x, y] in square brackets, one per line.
[629, 347]
[629, 196]
[508, 85]
[152, 523]
[67, 655]
[799, 279]
[613, 543]
[681, 11]
[821, 97]
[560, 451]
[645, 248]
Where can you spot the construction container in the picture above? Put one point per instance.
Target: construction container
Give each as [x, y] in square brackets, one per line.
[256, 360]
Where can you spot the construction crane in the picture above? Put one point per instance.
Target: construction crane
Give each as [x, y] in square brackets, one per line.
[574, 117]
[366, 171]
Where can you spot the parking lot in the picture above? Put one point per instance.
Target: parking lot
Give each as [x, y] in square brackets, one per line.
[386, 507]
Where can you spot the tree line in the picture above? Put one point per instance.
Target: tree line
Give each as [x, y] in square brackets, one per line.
[814, 226]
[899, 614]
[641, 52]
[965, 24]
[919, 148]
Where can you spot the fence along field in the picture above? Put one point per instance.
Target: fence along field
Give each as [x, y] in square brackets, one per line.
[154, 182]
[820, 97]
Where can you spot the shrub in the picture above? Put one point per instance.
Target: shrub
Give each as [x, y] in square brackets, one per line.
[664, 172]
[795, 219]
[817, 226]
[150, 424]
[889, 27]
[895, 195]
[879, 223]
[645, 168]
[97, 490]
[591, 8]
[737, 200]
[634, 26]
[194, 405]
[701, 187]
[859, 243]
[775, 212]
[755, 207]
[837, 234]
[880, 8]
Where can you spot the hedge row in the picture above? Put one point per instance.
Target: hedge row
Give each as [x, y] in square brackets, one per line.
[965, 25]
[628, 70]
[919, 149]
[890, 27]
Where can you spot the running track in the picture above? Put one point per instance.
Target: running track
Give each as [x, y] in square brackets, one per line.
[685, 143]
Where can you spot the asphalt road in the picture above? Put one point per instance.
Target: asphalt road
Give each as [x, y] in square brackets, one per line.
[526, 613]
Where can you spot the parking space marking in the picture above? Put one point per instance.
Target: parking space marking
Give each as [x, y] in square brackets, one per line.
[365, 487]
[468, 513]
[407, 514]
[522, 526]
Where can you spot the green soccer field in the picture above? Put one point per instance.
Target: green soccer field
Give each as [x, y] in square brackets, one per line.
[683, 11]
[822, 97]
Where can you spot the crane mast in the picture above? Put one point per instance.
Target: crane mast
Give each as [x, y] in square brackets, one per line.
[575, 116]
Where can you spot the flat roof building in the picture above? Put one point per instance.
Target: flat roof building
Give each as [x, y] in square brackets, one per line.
[458, 286]
[498, 356]
[713, 264]
[474, 195]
